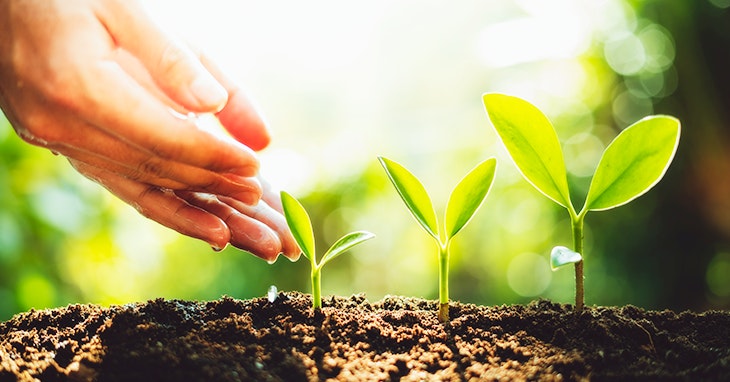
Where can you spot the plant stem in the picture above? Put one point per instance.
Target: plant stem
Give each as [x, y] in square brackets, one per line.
[443, 282]
[577, 225]
[316, 288]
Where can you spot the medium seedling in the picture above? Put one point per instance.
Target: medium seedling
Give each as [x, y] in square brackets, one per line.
[632, 164]
[464, 201]
[301, 228]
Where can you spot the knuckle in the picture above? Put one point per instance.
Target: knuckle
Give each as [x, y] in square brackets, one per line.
[165, 151]
[135, 175]
[141, 206]
[209, 184]
[150, 166]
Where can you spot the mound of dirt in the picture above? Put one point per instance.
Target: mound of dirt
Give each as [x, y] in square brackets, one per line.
[351, 339]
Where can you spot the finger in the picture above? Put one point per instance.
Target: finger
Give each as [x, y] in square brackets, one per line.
[141, 119]
[136, 114]
[272, 198]
[162, 206]
[270, 195]
[134, 67]
[240, 116]
[97, 148]
[247, 233]
[174, 67]
[271, 218]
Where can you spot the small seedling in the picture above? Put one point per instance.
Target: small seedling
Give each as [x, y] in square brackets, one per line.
[632, 164]
[301, 227]
[464, 201]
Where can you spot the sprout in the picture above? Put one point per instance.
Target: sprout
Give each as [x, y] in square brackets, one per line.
[301, 228]
[272, 293]
[464, 201]
[632, 164]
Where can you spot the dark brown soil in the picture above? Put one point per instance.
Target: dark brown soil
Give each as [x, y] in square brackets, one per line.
[354, 340]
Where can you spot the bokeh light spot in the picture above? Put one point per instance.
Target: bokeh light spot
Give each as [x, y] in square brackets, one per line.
[629, 108]
[529, 274]
[59, 207]
[10, 238]
[625, 54]
[720, 3]
[718, 275]
[35, 291]
[582, 152]
[658, 46]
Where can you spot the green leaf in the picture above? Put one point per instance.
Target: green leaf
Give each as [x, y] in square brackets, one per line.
[299, 224]
[560, 256]
[413, 194]
[468, 196]
[533, 144]
[634, 162]
[346, 242]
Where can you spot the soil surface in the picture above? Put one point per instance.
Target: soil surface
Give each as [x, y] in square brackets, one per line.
[351, 339]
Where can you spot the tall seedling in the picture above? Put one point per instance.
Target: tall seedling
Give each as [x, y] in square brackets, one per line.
[464, 201]
[632, 164]
[301, 227]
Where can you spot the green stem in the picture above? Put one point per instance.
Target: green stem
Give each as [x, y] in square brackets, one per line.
[577, 225]
[443, 282]
[316, 288]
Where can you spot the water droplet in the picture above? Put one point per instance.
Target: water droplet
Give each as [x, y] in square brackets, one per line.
[272, 293]
[216, 248]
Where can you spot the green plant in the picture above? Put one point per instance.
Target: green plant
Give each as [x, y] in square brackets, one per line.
[301, 227]
[632, 164]
[464, 201]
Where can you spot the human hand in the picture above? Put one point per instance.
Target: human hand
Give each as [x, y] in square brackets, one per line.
[96, 80]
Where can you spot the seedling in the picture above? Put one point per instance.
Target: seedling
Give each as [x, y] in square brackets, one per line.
[632, 164]
[464, 201]
[301, 228]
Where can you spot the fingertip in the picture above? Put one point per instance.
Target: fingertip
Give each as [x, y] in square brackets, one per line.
[243, 121]
[270, 255]
[254, 237]
[215, 233]
[209, 94]
[293, 257]
[217, 248]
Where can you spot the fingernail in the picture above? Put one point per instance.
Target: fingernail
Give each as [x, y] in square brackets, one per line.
[208, 92]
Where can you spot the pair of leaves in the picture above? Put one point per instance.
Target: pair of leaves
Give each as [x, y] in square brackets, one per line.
[465, 199]
[632, 164]
[301, 228]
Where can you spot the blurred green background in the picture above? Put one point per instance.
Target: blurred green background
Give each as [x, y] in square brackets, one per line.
[344, 82]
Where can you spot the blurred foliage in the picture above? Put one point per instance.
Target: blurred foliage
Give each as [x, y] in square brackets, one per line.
[404, 79]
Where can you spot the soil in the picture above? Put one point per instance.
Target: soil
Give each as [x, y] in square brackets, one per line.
[351, 339]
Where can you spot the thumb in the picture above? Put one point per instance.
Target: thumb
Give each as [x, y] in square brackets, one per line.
[173, 66]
